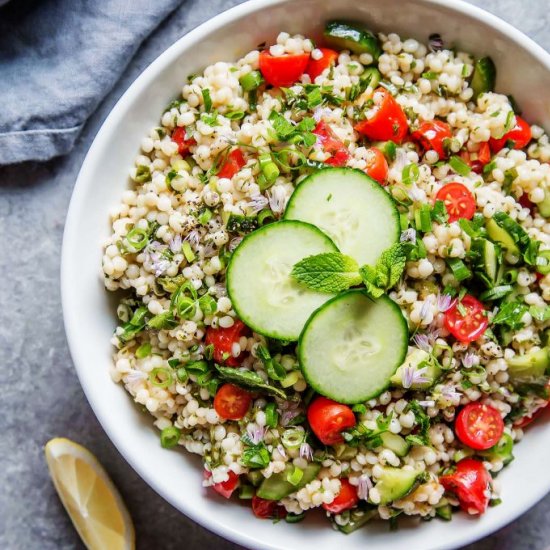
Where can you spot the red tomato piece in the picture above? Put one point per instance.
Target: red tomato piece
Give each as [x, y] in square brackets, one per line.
[223, 339]
[484, 153]
[526, 202]
[178, 136]
[459, 202]
[347, 498]
[225, 488]
[479, 426]
[387, 120]
[328, 418]
[267, 509]
[316, 66]
[377, 165]
[520, 135]
[234, 162]
[331, 144]
[470, 483]
[471, 325]
[232, 402]
[431, 135]
[283, 70]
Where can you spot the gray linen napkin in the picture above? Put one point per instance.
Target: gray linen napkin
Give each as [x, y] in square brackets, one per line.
[58, 60]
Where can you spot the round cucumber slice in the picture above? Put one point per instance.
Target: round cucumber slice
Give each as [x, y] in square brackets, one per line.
[351, 208]
[262, 292]
[352, 345]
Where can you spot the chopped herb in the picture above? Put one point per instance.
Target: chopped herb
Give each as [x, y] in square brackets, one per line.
[207, 100]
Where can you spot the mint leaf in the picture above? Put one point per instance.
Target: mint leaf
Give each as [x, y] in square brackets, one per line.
[369, 276]
[387, 272]
[510, 314]
[328, 272]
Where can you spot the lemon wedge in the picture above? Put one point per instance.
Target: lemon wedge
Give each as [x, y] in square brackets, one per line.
[89, 496]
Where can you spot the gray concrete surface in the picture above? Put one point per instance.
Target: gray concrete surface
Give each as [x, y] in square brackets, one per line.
[40, 396]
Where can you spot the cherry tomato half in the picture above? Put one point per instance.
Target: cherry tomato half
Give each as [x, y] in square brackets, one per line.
[232, 402]
[377, 165]
[468, 325]
[331, 144]
[479, 426]
[470, 483]
[328, 418]
[484, 153]
[431, 135]
[387, 120]
[225, 488]
[267, 509]
[283, 70]
[520, 135]
[223, 339]
[178, 136]
[316, 66]
[234, 162]
[347, 498]
[459, 202]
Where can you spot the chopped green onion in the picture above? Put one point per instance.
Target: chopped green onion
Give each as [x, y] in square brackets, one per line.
[459, 269]
[162, 321]
[459, 166]
[543, 262]
[496, 293]
[290, 379]
[186, 307]
[265, 216]
[271, 415]
[137, 238]
[208, 305]
[252, 100]
[161, 377]
[269, 170]
[251, 81]
[246, 492]
[235, 115]
[205, 216]
[410, 174]
[389, 150]
[293, 438]
[295, 476]
[143, 174]
[169, 437]
[144, 350]
[187, 251]
[423, 218]
[403, 221]
[510, 276]
[207, 100]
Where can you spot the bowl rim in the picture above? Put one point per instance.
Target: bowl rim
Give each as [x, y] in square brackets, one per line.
[70, 312]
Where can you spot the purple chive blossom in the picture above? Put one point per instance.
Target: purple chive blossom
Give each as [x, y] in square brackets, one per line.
[257, 204]
[415, 193]
[154, 255]
[426, 403]
[193, 238]
[469, 360]
[134, 377]
[410, 376]
[364, 485]
[435, 43]
[234, 243]
[277, 199]
[449, 392]
[219, 290]
[443, 302]
[209, 250]
[422, 342]
[282, 450]
[288, 416]
[306, 451]
[175, 244]
[408, 236]
[255, 433]
[425, 309]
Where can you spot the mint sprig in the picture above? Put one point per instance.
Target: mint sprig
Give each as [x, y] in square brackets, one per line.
[333, 272]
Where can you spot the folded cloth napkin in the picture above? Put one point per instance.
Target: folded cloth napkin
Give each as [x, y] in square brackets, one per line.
[58, 60]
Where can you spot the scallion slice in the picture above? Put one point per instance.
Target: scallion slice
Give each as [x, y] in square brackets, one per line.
[188, 252]
[251, 81]
[271, 415]
[169, 437]
[293, 438]
[161, 377]
[459, 166]
[459, 269]
[144, 350]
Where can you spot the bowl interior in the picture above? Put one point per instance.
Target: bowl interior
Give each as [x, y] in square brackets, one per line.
[88, 311]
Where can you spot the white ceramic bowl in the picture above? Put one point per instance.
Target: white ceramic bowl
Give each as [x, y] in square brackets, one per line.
[523, 70]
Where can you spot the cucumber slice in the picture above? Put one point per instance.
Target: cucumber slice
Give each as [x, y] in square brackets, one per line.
[395, 443]
[502, 450]
[350, 36]
[419, 359]
[262, 292]
[484, 77]
[351, 346]
[444, 512]
[531, 368]
[486, 262]
[357, 518]
[502, 229]
[277, 486]
[395, 483]
[351, 208]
